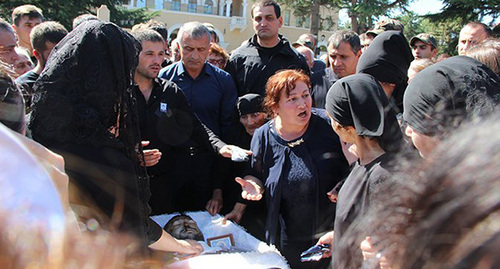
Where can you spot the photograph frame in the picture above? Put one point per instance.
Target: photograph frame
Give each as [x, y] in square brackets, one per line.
[225, 241]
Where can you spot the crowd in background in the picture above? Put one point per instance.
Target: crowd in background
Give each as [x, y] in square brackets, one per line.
[383, 151]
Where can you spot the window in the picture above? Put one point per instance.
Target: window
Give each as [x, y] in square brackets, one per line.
[209, 7]
[299, 21]
[307, 22]
[140, 3]
[286, 17]
[192, 6]
[176, 5]
[158, 4]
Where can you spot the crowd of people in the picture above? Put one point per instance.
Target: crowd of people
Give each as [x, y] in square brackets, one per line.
[384, 152]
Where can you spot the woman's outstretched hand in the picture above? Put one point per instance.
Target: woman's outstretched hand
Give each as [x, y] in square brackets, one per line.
[251, 190]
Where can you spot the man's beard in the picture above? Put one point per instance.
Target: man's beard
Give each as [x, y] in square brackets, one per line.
[198, 236]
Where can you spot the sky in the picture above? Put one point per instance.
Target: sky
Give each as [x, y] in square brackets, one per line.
[424, 7]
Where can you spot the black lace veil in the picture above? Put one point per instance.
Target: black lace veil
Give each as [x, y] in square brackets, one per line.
[84, 95]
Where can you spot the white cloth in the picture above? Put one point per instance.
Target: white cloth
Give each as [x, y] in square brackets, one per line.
[257, 254]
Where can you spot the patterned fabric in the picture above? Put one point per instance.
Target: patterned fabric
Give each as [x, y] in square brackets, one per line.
[85, 90]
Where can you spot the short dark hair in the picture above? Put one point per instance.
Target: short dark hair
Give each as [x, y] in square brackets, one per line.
[348, 37]
[159, 27]
[50, 31]
[265, 3]
[31, 11]
[476, 24]
[147, 35]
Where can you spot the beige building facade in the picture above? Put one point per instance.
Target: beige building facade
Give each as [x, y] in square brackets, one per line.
[231, 18]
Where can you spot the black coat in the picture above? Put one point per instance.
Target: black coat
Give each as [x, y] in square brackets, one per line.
[251, 65]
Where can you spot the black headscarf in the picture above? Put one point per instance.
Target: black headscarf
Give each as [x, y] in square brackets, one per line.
[441, 96]
[387, 59]
[85, 90]
[249, 103]
[360, 101]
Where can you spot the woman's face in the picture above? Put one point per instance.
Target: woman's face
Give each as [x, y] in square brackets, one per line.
[252, 121]
[424, 143]
[295, 110]
[345, 133]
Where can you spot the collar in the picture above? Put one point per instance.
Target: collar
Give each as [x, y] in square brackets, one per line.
[284, 45]
[206, 70]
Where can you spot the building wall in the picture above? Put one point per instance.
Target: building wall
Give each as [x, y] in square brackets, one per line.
[230, 39]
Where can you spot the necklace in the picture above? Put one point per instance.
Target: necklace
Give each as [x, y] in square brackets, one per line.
[296, 143]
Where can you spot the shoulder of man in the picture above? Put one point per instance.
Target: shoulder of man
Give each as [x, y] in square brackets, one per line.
[246, 49]
[168, 71]
[220, 73]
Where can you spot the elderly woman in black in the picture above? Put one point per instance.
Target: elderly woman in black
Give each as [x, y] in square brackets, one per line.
[84, 110]
[362, 115]
[297, 159]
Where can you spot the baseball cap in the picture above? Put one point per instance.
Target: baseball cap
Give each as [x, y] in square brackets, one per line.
[386, 25]
[426, 38]
[303, 42]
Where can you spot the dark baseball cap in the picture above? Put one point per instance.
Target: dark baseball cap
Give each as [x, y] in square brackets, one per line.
[304, 41]
[426, 38]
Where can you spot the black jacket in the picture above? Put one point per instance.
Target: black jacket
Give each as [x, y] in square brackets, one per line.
[251, 65]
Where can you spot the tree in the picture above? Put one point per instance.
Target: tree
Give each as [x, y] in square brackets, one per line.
[361, 12]
[446, 31]
[310, 8]
[64, 11]
[455, 14]
[468, 10]
[364, 12]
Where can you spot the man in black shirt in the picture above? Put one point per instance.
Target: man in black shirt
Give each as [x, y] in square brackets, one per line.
[172, 134]
[44, 38]
[265, 53]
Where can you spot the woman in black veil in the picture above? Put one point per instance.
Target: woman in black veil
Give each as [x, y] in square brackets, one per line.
[84, 110]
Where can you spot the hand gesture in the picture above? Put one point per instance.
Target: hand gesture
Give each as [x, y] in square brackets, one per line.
[151, 156]
[251, 189]
[189, 246]
[227, 151]
[327, 239]
[214, 205]
[236, 214]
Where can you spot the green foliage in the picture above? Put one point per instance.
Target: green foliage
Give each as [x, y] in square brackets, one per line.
[468, 10]
[128, 17]
[64, 11]
[302, 9]
[456, 13]
[364, 12]
[445, 31]
[412, 22]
